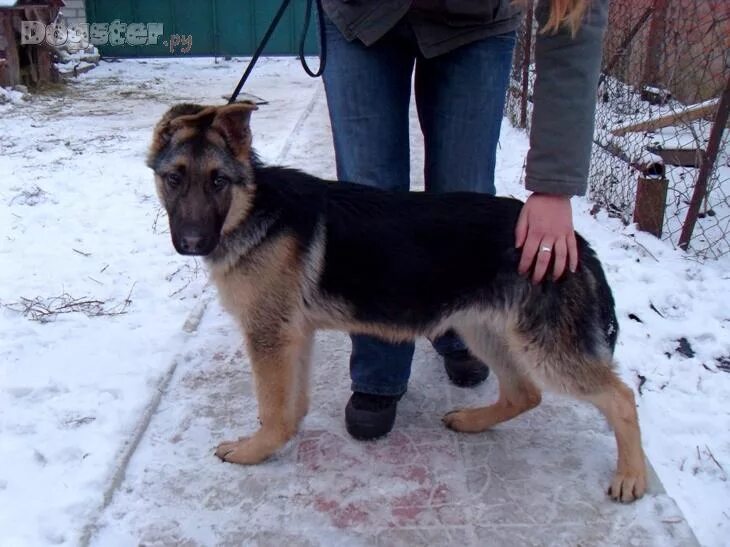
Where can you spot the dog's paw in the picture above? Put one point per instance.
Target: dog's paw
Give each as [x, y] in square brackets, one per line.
[628, 486]
[244, 451]
[460, 420]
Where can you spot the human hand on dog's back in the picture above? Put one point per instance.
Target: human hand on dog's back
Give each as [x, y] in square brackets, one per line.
[546, 222]
[567, 62]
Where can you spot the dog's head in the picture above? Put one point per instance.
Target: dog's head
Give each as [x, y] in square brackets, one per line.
[201, 156]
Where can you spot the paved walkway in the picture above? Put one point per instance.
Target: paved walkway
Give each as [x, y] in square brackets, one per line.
[538, 480]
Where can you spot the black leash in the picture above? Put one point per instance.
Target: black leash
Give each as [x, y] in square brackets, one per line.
[270, 31]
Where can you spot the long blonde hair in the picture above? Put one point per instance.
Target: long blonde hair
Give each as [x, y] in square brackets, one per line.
[562, 12]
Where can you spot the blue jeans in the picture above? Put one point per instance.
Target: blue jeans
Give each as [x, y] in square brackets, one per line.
[459, 98]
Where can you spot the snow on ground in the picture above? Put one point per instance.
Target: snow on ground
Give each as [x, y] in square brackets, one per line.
[13, 96]
[81, 224]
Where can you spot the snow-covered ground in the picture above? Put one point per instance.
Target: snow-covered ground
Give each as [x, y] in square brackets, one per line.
[81, 228]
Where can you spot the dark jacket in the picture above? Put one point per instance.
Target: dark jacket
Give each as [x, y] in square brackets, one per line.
[564, 95]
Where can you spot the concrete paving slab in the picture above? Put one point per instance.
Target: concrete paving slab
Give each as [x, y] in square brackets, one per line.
[537, 480]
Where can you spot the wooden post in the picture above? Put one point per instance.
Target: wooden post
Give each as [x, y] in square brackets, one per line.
[11, 68]
[526, 65]
[651, 200]
[655, 44]
[43, 54]
[621, 51]
[46, 70]
[708, 164]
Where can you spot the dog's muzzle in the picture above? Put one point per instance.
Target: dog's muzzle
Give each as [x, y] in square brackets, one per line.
[194, 244]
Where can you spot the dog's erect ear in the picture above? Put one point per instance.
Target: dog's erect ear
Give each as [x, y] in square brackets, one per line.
[233, 122]
[169, 123]
[182, 120]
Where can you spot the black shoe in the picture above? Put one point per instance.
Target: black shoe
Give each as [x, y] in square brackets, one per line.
[370, 416]
[465, 370]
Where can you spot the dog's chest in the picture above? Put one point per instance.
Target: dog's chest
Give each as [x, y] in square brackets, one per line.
[236, 291]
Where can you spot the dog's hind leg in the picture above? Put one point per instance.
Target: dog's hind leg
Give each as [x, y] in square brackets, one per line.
[561, 367]
[616, 401]
[517, 394]
[275, 359]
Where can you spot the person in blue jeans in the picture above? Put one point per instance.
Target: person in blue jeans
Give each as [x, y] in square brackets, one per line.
[457, 56]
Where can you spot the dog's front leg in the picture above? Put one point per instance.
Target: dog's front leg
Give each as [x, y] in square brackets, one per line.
[275, 357]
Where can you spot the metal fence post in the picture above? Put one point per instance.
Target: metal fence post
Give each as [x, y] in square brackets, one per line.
[708, 164]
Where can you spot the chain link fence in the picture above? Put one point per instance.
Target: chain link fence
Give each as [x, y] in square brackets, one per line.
[661, 153]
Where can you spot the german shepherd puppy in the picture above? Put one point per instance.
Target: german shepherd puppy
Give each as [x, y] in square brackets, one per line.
[291, 253]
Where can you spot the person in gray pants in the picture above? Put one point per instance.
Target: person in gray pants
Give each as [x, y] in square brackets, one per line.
[457, 54]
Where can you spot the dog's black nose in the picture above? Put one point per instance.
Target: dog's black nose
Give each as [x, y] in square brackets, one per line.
[192, 244]
[192, 241]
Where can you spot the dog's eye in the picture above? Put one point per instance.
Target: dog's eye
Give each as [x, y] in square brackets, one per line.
[173, 180]
[220, 181]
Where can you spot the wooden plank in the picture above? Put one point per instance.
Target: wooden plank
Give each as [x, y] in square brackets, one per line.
[25, 7]
[682, 157]
[686, 115]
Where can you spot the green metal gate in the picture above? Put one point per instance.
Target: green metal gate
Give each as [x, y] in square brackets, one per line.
[195, 27]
